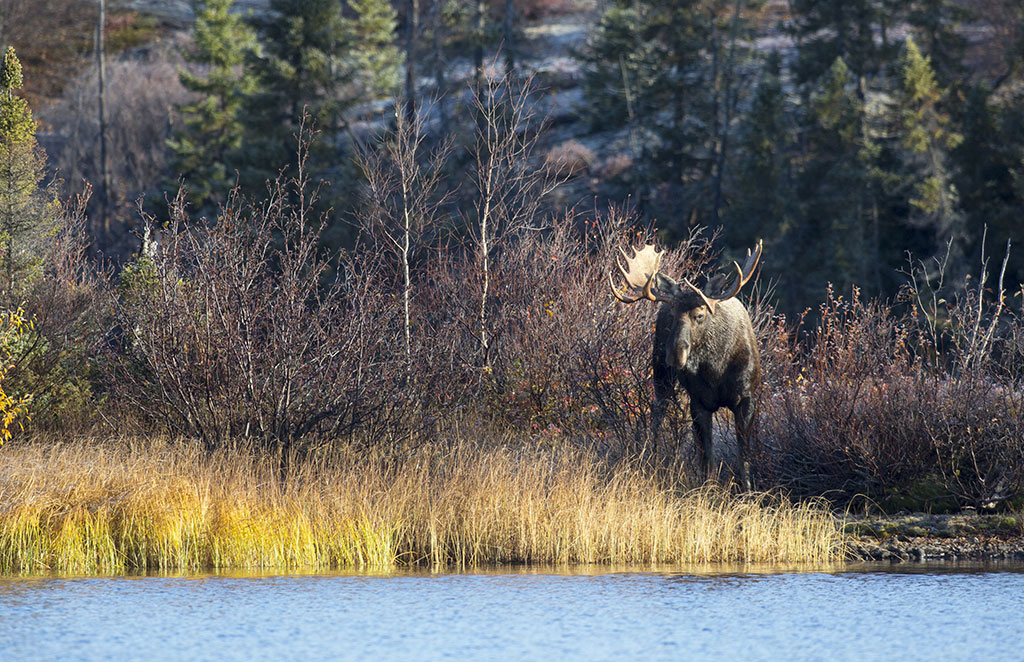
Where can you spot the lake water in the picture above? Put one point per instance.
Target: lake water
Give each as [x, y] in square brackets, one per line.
[857, 613]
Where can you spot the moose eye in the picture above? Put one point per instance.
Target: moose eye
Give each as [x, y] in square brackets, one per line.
[700, 318]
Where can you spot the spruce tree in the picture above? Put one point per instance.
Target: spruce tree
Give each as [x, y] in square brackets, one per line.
[314, 60]
[938, 23]
[854, 30]
[204, 151]
[298, 70]
[989, 173]
[376, 60]
[670, 71]
[622, 67]
[926, 138]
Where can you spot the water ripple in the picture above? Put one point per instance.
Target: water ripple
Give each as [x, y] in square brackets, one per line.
[926, 615]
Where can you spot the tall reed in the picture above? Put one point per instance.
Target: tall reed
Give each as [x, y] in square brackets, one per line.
[101, 507]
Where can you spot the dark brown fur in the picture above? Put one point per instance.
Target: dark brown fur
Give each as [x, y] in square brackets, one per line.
[715, 358]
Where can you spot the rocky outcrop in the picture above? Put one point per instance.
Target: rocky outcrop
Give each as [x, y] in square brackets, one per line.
[178, 12]
[920, 537]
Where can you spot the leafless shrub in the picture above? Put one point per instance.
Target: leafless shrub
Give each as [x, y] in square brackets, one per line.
[971, 339]
[141, 91]
[507, 185]
[878, 402]
[243, 329]
[402, 211]
[839, 419]
[616, 165]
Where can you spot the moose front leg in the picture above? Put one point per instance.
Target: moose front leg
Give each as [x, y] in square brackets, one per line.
[745, 415]
[702, 436]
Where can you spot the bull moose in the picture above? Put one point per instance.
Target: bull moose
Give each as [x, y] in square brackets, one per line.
[703, 339]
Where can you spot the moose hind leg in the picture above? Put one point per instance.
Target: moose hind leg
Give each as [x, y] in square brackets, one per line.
[664, 392]
[745, 416]
[702, 437]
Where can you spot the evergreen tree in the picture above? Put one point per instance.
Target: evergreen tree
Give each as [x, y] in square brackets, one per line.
[16, 123]
[831, 242]
[314, 60]
[376, 60]
[670, 72]
[765, 204]
[852, 30]
[202, 153]
[990, 172]
[926, 138]
[28, 213]
[298, 69]
[938, 22]
[628, 61]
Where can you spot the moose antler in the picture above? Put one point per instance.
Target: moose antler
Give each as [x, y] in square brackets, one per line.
[743, 275]
[639, 273]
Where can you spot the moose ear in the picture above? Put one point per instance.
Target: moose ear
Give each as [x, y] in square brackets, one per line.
[717, 283]
[665, 286]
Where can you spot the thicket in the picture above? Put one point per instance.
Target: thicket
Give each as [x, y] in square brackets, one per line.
[917, 404]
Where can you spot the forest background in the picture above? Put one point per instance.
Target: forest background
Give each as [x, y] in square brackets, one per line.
[811, 124]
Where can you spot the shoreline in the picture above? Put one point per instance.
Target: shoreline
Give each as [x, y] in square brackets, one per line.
[920, 537]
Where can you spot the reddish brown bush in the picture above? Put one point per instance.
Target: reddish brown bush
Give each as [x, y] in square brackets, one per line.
[243, 329]
[864, 405]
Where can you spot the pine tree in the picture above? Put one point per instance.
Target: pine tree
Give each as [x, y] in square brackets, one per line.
[202, 153]
[27, 210]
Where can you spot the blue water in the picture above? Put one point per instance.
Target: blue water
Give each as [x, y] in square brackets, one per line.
[865, 614]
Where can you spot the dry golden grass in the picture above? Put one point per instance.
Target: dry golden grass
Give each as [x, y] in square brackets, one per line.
[125, 506]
